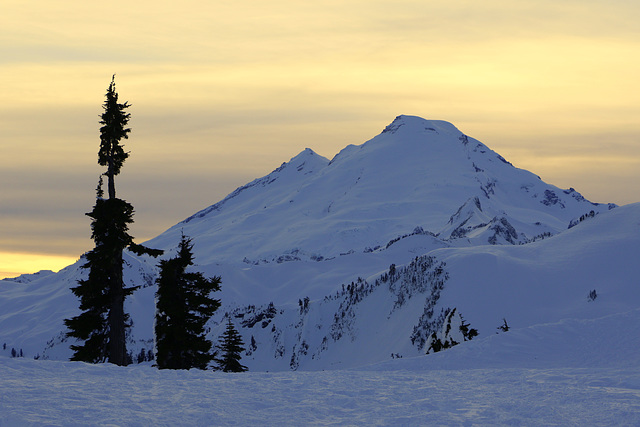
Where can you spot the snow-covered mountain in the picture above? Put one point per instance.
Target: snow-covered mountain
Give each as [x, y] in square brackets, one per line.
[417, 174]
[344, 263]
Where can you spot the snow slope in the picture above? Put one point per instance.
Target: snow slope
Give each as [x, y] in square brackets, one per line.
[550, 280]
[386, 315]
[557, 374]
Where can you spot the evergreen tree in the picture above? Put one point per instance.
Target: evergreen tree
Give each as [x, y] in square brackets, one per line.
[183, 307]
[231, 345]
[114, 122]
[102, 323]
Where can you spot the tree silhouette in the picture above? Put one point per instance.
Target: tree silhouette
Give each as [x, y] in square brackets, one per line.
[103, 322]
[183, 307]
[231, 345]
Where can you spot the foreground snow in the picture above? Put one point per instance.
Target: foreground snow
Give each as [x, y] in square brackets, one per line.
[578, 372]
[65, 393]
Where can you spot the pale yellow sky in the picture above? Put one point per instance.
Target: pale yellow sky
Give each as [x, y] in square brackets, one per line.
[224, 92]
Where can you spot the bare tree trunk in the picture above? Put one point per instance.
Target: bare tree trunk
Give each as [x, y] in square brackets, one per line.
[116, 319]
[117, 345]
[111, 180]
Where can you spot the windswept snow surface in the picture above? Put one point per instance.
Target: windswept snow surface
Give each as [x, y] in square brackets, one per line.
[570, 373]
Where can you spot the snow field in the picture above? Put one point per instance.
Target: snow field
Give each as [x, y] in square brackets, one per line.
[69, 394]
[578, 372]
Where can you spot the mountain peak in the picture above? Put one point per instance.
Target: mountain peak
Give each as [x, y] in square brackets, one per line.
[414, 124]
[305, 154]
[307, 160]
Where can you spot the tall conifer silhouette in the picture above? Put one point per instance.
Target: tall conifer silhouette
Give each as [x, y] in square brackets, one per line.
[103, 322]
[183, 307]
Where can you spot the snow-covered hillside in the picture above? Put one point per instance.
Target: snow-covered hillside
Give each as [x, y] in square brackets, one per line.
[359, 260]
[393, 313]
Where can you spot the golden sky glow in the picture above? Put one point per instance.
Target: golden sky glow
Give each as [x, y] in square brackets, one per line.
[14, 264]
[223, 92]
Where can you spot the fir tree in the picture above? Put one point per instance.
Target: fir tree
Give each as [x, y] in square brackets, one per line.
[114, 121]
[103, 322]
[183, 307]
[231, 345]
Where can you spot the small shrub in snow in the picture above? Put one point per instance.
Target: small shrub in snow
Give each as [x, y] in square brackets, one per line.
[504, 327]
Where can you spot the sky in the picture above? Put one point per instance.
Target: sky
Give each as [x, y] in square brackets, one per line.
[224, 92]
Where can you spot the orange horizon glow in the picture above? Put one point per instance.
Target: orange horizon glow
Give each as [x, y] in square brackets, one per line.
[14, 264]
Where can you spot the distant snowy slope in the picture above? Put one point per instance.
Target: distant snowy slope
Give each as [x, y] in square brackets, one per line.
[394, 313]
[606, 342]
[550, 280]
[32, 312]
